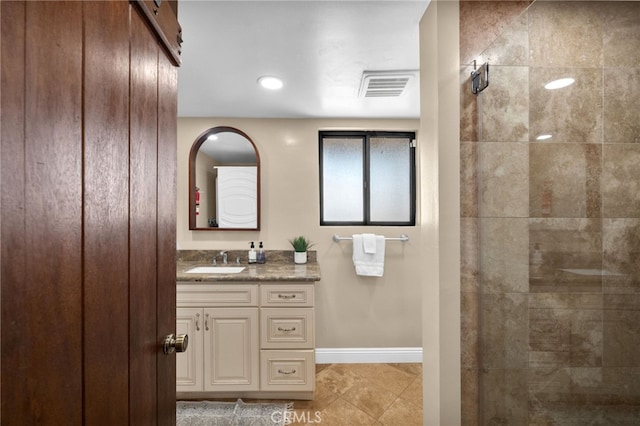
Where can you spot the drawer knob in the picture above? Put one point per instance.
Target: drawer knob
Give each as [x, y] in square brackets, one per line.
[280, 371]
[286, 296]
[286, 330]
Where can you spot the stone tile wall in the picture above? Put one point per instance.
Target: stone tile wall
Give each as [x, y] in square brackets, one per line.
[551, 229]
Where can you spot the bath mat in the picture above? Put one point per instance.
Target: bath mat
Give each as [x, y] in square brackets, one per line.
[239, 413]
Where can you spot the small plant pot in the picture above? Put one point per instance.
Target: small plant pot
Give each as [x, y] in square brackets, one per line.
[300, 256]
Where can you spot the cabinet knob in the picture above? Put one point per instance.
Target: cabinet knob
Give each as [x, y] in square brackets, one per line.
[175, 344]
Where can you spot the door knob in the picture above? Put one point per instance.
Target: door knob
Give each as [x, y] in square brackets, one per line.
[175, 344]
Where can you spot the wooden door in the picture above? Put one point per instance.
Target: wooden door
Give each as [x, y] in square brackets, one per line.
[88, 134]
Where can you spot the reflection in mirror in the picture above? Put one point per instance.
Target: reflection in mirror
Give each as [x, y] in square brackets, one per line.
[224, 181]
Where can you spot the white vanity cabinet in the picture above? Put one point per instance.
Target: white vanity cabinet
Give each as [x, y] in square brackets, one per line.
[253, 340]
[189, 364]
[222, 324]
[287, 339]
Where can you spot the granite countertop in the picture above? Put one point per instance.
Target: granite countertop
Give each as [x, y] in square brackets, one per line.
[278, 267]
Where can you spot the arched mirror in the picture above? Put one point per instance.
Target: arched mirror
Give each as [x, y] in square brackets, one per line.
[224, 181]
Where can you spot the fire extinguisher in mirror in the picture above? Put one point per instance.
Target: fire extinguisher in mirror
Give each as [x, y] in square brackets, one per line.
[197, 200]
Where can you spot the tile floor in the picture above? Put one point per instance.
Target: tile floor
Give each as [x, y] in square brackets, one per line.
[363, 394]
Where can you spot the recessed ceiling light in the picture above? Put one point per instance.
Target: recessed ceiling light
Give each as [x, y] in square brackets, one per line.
[270, 82]
[559, 84]
[544, 137]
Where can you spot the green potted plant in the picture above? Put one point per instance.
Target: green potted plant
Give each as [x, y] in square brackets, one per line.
[300, 246]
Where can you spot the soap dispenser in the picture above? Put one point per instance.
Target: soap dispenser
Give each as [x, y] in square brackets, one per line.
[262, 257]
[252, 253]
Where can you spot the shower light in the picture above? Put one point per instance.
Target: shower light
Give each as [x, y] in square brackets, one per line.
[559, 84]
[544, 137]
[270, 82]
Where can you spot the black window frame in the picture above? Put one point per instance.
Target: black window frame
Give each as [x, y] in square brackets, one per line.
[366, 138]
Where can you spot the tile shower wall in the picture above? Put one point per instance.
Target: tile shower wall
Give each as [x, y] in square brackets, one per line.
[551, 229]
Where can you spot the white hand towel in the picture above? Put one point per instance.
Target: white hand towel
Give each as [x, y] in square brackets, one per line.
[368, 264]
[369, 243]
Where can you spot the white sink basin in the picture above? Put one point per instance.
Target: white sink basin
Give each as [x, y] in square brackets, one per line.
[216, 270]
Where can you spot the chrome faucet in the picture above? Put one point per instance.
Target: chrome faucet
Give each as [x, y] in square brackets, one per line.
[223, 253]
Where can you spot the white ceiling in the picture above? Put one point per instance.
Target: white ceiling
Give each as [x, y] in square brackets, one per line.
[319, 48]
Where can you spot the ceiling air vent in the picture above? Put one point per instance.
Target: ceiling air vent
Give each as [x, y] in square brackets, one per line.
[384, 84]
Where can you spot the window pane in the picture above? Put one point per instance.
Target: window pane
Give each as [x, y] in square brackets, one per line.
[390, 180]
[342, 179]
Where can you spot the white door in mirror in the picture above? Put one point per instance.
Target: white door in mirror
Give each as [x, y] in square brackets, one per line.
[237, 197]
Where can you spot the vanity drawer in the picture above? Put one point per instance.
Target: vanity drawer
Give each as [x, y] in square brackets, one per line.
[290, 328]
[286, 295]
[287, 370]
[208, 295]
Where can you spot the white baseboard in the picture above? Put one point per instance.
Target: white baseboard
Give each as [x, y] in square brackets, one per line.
[368, 355]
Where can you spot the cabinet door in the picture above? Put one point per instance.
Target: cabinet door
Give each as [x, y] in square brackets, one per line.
[189, 364]
[231, 352]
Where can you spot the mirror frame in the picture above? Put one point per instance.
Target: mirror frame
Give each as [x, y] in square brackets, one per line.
[192, 177]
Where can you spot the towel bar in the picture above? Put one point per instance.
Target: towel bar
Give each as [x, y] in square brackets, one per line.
[403, 237]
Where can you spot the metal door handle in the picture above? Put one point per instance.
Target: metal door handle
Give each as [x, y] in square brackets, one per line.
[175, 344]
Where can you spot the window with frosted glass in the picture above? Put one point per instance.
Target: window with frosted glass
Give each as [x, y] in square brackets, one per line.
[367, 178]
[342, 180]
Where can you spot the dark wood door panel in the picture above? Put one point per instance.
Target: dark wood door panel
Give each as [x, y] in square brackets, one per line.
[167, 149]
[53, 208]
[41, 334]
[106, 213]
[14, 247]
[143, 172]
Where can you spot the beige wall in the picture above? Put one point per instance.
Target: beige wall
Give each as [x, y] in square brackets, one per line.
[352, 312]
